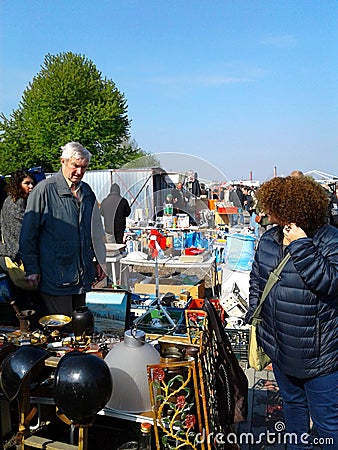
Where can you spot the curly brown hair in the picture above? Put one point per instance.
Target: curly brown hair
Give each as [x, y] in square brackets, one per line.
[13, 187]
[299, 200]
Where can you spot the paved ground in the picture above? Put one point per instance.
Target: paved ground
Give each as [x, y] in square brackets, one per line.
[265, 424]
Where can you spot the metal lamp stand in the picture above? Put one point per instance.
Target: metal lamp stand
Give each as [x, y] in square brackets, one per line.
[156, 303]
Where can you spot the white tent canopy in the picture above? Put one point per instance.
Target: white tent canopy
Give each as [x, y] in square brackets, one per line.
[322, 177]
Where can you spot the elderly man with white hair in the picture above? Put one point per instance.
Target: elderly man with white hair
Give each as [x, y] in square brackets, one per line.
[61, 233]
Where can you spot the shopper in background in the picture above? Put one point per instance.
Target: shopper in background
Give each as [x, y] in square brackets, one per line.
[300, 315]
[180, 199]
[236, 197]
[297, 174]
[115, 209]
[57, 244]
[19, 186]
[248, 201]
[330, 190]
[333, 208]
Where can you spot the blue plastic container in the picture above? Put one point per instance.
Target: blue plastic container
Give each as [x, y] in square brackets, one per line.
[240, 249]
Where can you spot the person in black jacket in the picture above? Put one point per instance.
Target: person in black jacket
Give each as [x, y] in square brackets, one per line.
[300, 315]
[236, 197]
[115, 209]
[180, 198]
[334, 210]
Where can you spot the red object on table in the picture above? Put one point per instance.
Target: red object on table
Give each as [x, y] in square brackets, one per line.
[193, 251]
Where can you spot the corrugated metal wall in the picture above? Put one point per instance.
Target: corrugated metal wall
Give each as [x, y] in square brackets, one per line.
[136, 186]
[99, 181]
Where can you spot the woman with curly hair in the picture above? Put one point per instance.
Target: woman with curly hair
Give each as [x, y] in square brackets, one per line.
[299, 326]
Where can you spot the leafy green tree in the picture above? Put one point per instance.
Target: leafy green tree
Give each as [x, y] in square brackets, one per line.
[68, 100]
[144, 159]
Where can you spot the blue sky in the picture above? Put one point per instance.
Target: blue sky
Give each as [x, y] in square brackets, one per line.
[247, 85]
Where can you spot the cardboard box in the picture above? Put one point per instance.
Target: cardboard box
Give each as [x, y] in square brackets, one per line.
[191, 259]
[221, 219]
[196, 291]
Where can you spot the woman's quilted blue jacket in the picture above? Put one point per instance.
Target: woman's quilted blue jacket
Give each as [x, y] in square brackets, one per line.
[299, 328]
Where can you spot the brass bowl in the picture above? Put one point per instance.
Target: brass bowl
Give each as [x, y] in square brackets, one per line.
[54, 321]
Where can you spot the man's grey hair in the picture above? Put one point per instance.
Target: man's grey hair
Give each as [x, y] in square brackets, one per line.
[75, 150]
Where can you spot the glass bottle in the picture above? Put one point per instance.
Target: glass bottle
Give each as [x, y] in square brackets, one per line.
[145, 436]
